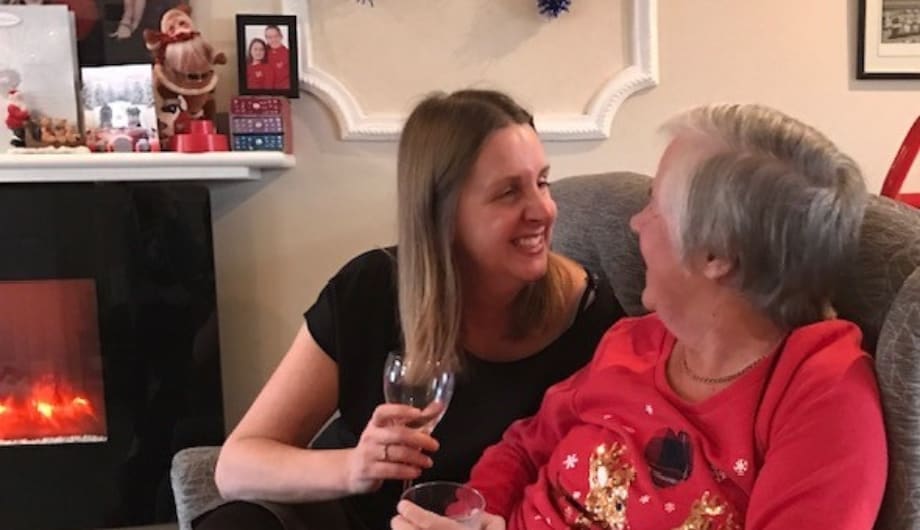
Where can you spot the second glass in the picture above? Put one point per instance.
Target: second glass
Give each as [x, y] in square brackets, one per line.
[457, 502]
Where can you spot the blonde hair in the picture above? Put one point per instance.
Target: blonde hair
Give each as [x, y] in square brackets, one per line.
[440, 142]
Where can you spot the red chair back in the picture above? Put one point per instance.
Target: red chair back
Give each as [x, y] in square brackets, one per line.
[901, 165]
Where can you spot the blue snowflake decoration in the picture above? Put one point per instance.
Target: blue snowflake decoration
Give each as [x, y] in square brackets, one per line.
[553, 8]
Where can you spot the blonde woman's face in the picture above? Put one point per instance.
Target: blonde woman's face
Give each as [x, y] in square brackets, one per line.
[505, 214]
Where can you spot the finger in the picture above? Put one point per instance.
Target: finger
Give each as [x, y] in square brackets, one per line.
[424, 519]
[412, 513]
[389, 413]
[392, 471]
[492, 522]
[401, 435]
[433, 410]
[400, 523]
[407, 455]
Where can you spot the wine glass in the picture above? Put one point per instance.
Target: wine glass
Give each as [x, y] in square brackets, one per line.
[435, 389]
[455, 501]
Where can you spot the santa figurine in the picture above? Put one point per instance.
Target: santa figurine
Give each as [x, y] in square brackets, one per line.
[176, 25]
[183, 72]
[17, 117]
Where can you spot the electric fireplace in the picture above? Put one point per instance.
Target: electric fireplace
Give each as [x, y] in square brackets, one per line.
[50, 366]
[109, 359]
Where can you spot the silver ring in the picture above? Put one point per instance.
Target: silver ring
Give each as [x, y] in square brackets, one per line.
[386, 452]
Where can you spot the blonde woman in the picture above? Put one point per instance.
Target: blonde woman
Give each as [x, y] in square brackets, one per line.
[472, 285]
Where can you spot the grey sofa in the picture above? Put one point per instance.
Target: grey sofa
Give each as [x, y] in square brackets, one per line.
[881, 294]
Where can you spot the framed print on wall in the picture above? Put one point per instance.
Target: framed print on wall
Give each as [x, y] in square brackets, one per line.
[888, 39]
[266, 47]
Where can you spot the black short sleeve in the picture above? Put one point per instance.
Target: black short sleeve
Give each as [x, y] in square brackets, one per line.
[357, 304]
[320, 320]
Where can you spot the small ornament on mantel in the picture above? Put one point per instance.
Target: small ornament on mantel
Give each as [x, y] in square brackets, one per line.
[553, 8]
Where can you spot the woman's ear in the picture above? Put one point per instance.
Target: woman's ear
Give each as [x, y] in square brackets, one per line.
[717, 268]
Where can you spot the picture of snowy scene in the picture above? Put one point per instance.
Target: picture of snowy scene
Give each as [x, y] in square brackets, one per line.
[118, 108]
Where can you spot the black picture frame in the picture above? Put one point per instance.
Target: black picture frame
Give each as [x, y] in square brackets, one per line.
[251, 81]
[887, 47]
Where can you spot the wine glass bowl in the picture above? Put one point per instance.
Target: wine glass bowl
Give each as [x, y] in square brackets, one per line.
[455, 501]
[431, 394]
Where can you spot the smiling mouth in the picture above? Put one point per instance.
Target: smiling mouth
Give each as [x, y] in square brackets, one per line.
[531, 243]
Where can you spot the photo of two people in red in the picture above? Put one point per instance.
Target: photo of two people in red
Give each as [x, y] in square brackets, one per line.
[269, 56]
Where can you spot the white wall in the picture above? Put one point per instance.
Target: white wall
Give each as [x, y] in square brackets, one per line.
[277, 241]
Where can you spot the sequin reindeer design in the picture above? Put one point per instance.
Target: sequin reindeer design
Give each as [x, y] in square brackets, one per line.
[609, 478]
[704, 515]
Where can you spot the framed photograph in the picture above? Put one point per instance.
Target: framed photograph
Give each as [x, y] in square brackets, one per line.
[118, 108]
[888, 39]
[266, 47]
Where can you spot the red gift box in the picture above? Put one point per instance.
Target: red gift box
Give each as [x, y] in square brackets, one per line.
[200, 138]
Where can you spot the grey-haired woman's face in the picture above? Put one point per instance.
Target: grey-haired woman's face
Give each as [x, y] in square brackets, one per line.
[668, 280]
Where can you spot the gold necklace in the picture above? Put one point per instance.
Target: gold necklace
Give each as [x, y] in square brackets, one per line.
[721, 379]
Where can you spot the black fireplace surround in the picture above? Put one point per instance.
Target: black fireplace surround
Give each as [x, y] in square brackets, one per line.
[148, 248]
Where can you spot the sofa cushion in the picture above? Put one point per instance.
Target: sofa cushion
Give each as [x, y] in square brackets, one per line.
[899, 380]
[889, 251]
[593, 229]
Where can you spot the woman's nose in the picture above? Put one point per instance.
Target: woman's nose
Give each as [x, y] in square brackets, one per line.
[540, 206]
[634, 221]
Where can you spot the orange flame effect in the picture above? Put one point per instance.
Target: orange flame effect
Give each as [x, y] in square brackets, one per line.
[48, 409]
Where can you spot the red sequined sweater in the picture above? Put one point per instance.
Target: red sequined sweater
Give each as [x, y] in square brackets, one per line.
[796, 442]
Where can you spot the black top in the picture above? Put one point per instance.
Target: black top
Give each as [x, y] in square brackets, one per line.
[355, 320]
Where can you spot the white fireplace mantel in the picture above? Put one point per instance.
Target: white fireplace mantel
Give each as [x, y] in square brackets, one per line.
[103, 167]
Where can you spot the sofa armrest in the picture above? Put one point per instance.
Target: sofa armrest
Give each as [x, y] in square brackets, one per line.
[899, 381]
[192, 479]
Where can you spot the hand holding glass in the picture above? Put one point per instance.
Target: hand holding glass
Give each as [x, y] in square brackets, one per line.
[433, 394]
[452, 500]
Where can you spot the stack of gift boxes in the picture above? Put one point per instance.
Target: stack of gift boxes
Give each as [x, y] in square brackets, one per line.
[260, 123]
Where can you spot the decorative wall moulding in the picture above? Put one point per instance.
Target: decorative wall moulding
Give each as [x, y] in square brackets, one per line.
[593, 123]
